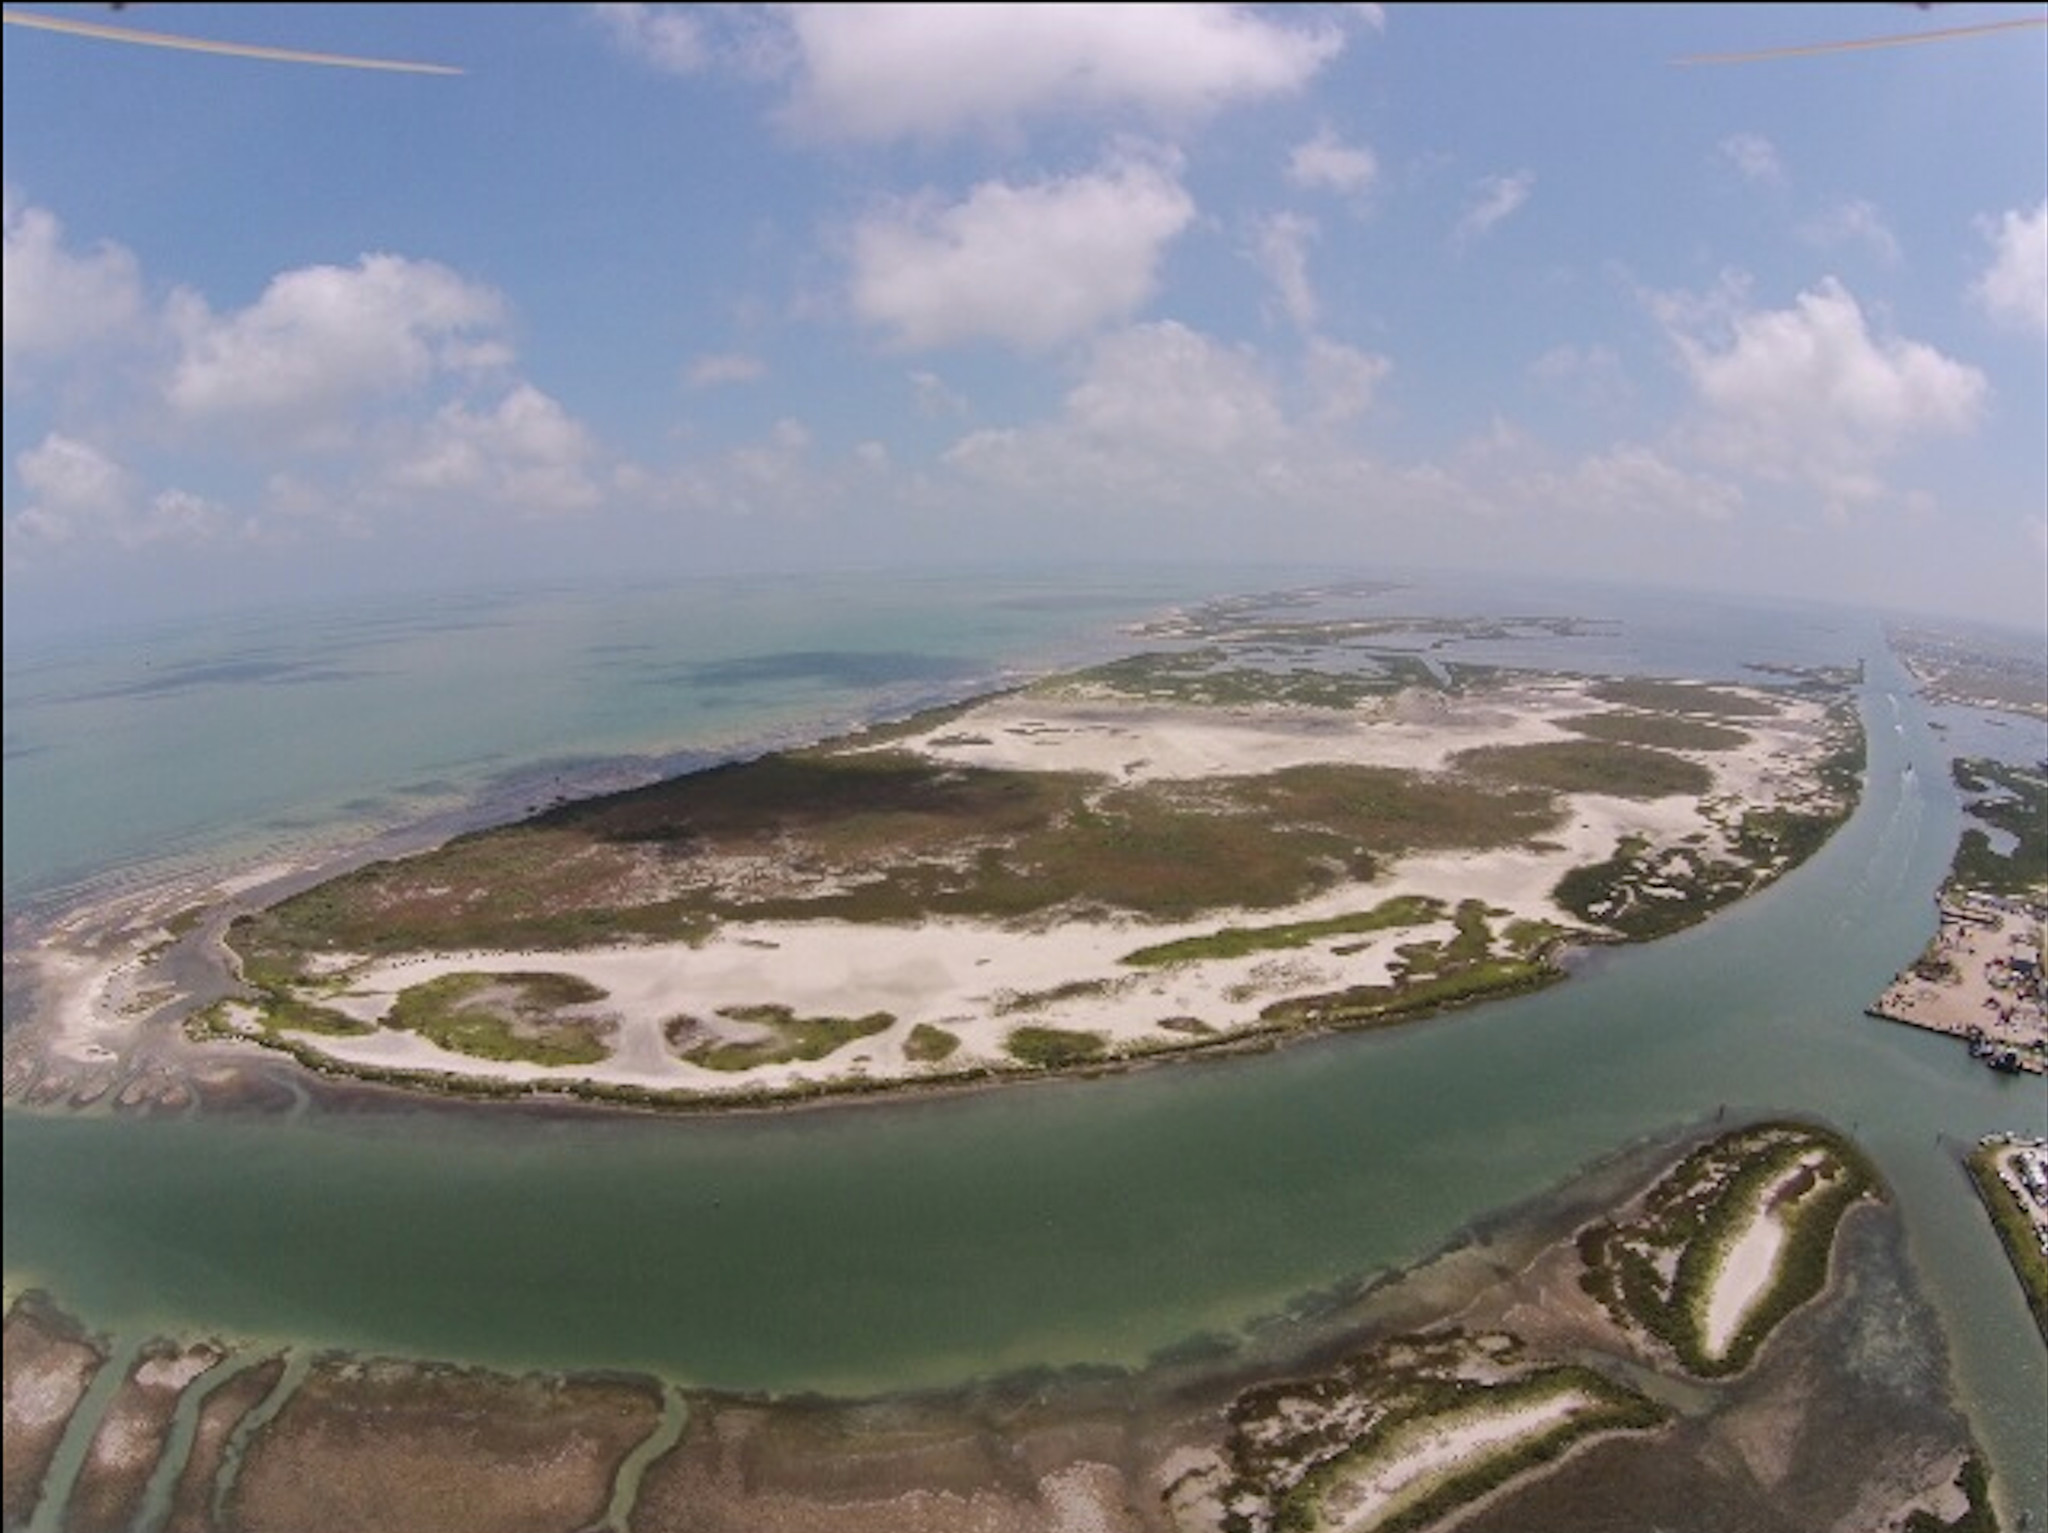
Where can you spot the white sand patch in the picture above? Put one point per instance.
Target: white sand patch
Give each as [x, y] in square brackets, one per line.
[46, 1390]
[175, 1370]
[1135, 741]
[1359, 1500]
[1750, 1264]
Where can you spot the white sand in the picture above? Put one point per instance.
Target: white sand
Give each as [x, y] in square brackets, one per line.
[1750, 1264]
[1362, 1498]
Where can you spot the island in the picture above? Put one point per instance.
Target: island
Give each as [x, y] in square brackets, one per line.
[1251, 830]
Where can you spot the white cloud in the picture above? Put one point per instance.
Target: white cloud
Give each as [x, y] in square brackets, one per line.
[295, 366]
[1032, 266]
[79, 494]
[923, 70]
[74, 489]
[934, 398]
[1754, 157]
[1163, 416]
[57, 301]
[1341, 380]
[1633, 482]
[1165, 386]
[1809, 393]
[1854, 222]
[1281, 250]
[1328, 163]
[1593, 376]
[2014, 288]
[1167, 416]
[667, 36]
[527, 455]
[715, 368]
[1499, 198]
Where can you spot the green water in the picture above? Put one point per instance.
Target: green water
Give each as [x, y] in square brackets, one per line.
[875, 1247]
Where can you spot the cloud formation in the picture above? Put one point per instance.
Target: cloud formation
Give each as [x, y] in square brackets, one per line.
[1327, 163]
[1031, 266]
[1810, 393]
[324, 340]
[880, 72]
[2014, 288]
[1498, 199]
[59, 301]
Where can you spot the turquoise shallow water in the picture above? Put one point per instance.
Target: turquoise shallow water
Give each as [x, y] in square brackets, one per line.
[877, 1247]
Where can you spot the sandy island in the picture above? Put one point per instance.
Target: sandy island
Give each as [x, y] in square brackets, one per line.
[974, 982]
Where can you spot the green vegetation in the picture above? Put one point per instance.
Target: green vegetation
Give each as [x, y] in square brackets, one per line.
[276, 1012]
[1211, 677]
[928, 1045]
[1592, 766]
[2014, 801]
[1055, 1048]
[1658, 1271]
[1661, 730]
[1292, 1444]
[1008, 1003]
[1644, 892]
[1609, 1408]
[505, 1017]
[882, 836]
[787, 1037]
[1239, 941]
[1427, 977]
[2015, 1232]
[1684, 697]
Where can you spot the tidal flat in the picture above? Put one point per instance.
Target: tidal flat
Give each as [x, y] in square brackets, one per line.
[1496, 1382]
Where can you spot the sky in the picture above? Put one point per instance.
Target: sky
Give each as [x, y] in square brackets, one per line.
[679, 291]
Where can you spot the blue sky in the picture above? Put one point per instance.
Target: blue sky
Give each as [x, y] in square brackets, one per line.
[681, 291]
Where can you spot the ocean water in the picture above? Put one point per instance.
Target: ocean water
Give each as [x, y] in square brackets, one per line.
[879, 1247]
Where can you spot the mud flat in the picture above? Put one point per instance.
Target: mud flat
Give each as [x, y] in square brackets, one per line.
[1500, 1385]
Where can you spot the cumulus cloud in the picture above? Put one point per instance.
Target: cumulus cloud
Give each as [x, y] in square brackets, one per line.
[1811, 393]
[670, 37]
[1280, 246]
[1754, 158]
[2014, 288]
[77, 493]
[1164, 415]
[1853, 223]
[1498, 199]
[1629, 481]
[1032, 266]
[1593, 376]
[323, 340]
[891, 71]
[716, 368]
[1327, 163]
[58, 300]
[1341, 380]
[526, 455]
